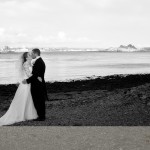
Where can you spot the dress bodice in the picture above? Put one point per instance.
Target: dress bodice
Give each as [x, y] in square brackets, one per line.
[27, 69]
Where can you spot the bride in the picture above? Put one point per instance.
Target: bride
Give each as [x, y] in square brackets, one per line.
[21, 107]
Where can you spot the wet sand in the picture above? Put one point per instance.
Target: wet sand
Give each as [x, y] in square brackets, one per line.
[118, 100]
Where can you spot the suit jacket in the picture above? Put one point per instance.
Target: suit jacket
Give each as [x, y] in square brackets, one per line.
[38, 71]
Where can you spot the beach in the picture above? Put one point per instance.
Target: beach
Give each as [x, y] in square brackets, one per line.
[116, 100]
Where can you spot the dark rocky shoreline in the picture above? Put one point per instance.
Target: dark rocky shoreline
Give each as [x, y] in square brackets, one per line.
[117, 100]
[104, 83]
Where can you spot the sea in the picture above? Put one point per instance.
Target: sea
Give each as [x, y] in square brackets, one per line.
[75, 65]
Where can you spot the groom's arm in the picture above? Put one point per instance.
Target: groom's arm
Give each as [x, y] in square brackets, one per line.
[35, 73]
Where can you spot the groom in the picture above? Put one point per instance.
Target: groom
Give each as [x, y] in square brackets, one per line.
[38, 89]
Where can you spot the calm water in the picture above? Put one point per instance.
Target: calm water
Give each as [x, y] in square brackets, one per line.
[62, 66]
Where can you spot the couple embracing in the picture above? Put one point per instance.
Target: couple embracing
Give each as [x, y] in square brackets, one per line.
[29, 100]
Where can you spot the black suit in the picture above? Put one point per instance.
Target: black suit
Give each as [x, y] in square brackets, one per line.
[38, 89]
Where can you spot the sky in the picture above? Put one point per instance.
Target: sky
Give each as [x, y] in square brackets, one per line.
[74, 23]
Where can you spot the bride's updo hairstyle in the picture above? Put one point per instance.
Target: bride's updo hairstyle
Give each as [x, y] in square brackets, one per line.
[24, 57]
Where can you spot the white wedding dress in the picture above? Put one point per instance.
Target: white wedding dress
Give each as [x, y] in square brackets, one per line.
[21, 107]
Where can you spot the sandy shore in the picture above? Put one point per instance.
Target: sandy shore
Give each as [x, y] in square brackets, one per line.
[118, 100]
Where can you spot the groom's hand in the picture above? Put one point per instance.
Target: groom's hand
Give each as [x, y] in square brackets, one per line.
[40, 79]
[17, 84]
[24, 81]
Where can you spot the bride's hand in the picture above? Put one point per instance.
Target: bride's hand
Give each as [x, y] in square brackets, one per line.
[40, 79]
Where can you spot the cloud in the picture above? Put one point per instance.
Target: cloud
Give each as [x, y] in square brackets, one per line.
[42, 39]
[20, 7]
[74, 21]
[16, 1]
[12, 36]
[62, 36]
[2, 30]
[21, 35]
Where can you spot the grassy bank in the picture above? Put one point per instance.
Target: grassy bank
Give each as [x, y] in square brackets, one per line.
[117, 100]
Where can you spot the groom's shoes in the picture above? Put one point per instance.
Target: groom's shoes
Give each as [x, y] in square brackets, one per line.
[39, 119]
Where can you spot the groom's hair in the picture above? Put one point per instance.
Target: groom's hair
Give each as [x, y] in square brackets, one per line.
[37, 51]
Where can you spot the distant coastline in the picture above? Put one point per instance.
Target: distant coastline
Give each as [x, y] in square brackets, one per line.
[121, 48]
[109, 51]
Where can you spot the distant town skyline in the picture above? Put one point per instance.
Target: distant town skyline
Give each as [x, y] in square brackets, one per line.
[74, 23]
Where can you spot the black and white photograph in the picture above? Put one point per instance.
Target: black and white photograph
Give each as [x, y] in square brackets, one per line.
[76, 64]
